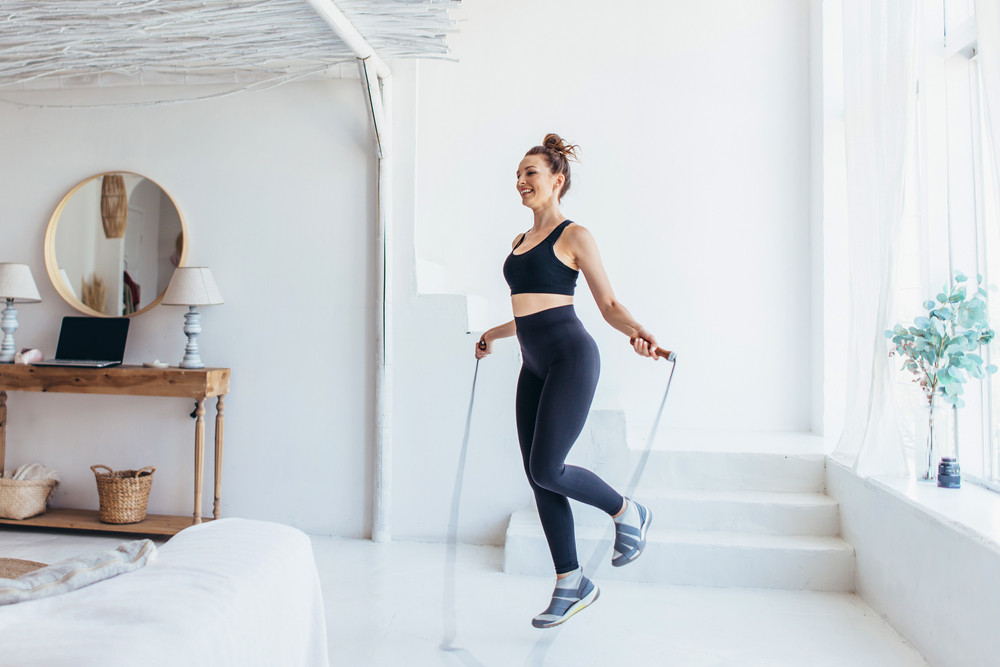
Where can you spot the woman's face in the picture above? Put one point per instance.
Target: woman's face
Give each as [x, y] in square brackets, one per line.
[536, 183]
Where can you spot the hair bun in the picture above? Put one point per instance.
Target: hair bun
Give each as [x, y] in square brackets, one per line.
[556, 143]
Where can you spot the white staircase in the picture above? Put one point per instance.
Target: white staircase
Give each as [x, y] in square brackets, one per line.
[741, 510]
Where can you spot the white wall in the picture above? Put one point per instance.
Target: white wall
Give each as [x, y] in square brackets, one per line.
[277, 190]
[693, 118]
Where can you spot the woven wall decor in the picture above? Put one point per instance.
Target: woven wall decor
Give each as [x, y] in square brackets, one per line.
[114, 206]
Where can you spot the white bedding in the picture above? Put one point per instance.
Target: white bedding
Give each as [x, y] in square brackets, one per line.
[228, 592]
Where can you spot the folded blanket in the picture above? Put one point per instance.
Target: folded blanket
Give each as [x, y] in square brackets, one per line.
[73, 573]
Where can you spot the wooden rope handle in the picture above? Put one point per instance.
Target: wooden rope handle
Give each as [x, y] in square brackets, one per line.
[138, 472]
[660, 352]
[95, 467]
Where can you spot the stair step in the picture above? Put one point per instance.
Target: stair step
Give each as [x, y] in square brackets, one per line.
[713, 460]
[768, 512]
[725, 471]
[695, 558]
[713, 471]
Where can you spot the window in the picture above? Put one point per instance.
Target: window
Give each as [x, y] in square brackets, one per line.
[950, 212]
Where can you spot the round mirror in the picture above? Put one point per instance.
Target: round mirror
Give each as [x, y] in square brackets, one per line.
[113, 244]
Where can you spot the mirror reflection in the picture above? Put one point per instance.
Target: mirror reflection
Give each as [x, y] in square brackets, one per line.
[113, 244]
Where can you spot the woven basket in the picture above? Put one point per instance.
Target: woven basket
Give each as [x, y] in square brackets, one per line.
[123, 493]
[23, 498]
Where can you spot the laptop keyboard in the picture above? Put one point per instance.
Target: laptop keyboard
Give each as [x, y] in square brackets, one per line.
[83, 362]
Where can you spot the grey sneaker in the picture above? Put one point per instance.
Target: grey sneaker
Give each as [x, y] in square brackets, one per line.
[566, 602]
[630, 539]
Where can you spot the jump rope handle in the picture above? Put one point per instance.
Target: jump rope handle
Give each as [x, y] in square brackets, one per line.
[660, 352]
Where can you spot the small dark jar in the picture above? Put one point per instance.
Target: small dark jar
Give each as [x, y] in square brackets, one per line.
[949, 474]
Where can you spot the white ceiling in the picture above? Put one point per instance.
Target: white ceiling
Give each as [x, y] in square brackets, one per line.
[86, 43]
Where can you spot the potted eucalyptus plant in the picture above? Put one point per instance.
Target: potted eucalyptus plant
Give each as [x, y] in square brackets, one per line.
[940, 350]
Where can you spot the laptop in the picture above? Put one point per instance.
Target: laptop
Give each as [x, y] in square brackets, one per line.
[90, 342]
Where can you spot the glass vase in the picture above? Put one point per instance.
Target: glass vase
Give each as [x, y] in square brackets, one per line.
[932, 438]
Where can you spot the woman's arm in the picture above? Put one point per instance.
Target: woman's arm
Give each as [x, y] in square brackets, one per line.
[484, 345]
[586, 255]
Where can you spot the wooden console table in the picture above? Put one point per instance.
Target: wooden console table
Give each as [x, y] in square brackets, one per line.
[195, 383]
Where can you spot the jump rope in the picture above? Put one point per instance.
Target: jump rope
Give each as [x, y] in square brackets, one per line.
[544, 643]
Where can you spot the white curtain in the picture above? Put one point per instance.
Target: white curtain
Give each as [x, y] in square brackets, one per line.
[988, 29]
[880, 41]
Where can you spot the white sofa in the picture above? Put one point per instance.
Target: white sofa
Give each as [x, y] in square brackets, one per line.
[227, 592]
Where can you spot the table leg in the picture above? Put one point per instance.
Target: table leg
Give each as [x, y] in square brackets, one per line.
[220, 423]
[199, 457]
[3, 427]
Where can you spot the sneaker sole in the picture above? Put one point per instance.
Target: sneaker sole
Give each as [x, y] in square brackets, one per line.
[642, 540]
[577, 607]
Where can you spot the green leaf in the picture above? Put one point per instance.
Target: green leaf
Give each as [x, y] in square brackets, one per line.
[960, 277]
[929, 305]
[942, 298]
[991, 369]
[922, 322]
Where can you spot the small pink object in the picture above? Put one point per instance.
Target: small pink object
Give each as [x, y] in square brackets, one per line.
[28, 356]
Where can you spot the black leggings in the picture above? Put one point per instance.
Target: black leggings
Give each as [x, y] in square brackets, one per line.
[554, 392]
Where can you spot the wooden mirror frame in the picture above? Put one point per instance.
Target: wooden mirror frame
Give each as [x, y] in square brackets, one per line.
[52, 267]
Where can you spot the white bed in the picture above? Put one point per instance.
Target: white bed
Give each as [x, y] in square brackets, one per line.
[227, 592]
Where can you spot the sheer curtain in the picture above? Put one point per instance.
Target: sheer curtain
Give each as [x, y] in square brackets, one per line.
[880, 41]
[988, 29]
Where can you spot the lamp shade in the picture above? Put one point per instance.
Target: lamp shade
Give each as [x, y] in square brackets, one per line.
[192, 286]
[17, 283]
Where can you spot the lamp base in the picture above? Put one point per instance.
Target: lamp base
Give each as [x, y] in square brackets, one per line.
[8, 323]
[192, 327]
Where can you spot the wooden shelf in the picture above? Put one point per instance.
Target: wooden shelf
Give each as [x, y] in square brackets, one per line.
[199, 384]
[154, 524]
[120, 380]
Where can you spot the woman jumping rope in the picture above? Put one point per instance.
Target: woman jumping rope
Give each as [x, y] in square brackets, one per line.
[559, 373]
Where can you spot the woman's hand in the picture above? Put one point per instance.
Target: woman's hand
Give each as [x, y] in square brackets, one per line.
[644, 344]
[483, 347]
[485, 344]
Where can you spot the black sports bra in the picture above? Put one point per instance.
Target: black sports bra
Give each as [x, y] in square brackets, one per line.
[539, 271]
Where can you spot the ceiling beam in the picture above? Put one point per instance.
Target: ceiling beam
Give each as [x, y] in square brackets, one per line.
[348, 34]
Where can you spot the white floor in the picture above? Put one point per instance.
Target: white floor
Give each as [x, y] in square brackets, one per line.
[385, 606]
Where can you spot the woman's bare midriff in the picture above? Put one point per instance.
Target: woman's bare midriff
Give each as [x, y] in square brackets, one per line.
[529, 304]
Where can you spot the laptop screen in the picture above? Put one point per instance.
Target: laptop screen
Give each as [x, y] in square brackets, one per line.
[93, 338]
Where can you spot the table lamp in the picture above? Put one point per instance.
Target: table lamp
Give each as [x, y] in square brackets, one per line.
[16, 284]
[192, 286]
